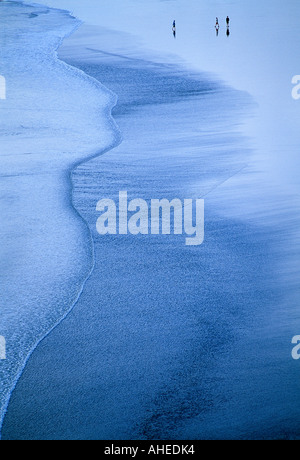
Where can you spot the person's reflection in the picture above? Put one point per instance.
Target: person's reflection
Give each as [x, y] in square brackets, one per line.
[217, 27]
[174, 29]
[228, 32]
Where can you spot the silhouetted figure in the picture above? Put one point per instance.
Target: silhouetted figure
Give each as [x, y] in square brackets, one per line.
[227, 21]
[174, 29]
[217, 27]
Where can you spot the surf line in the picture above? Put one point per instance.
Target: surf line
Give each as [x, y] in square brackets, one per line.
[154, 219]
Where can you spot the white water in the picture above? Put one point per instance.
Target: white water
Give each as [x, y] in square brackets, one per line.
[260, 59]
[53, 117]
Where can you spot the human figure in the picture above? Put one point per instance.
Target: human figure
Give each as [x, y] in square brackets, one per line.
[174, 28]
[217, 26]
[228, 27]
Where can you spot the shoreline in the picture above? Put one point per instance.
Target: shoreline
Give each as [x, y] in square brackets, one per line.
[98, 325]
[131, 340]
[67, 177]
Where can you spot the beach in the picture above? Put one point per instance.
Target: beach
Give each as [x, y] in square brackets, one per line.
[141, 337]
[46, 253]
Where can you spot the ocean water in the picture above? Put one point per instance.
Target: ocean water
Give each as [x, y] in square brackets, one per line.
[260, 57]
[170, 342]
[46, 251]
[166, 341]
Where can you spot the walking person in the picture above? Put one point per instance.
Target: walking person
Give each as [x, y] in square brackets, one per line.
[217, 27]
[174, 28]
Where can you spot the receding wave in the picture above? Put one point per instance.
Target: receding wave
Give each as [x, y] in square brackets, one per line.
[53, 118]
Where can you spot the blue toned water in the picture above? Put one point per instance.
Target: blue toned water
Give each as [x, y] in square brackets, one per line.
[168, 341]
[164, 341]
[46, 251]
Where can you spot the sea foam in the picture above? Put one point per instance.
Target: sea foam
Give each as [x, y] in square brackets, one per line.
[53, 118]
